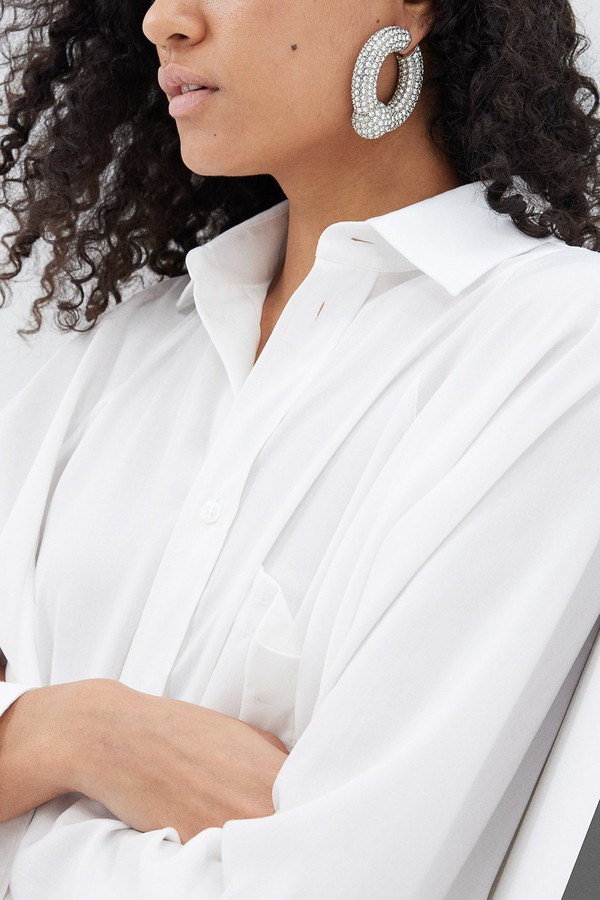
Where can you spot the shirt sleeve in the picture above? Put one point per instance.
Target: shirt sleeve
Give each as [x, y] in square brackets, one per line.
[430, 701]
[39, 430]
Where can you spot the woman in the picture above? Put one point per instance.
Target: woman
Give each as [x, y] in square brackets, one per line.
[300, 551]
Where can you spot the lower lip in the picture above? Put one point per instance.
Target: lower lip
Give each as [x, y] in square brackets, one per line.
[185, 103]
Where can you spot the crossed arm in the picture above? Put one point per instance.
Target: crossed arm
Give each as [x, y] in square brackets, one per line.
[152, 761]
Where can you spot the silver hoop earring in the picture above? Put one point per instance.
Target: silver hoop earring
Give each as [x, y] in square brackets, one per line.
[372, 118]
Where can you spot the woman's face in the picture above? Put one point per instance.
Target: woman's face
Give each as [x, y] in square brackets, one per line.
[283, 70]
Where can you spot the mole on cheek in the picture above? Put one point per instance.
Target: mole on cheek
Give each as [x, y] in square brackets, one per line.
[294, 46]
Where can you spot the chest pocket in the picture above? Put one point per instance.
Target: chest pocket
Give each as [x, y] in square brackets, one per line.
[271, 669]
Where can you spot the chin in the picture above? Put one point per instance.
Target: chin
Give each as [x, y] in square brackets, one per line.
[222, 153]
[203, 163]
[202, 158]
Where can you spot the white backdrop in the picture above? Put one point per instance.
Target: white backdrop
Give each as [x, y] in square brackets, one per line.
[19, 360]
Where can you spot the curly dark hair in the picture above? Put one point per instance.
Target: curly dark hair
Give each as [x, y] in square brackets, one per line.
[91, 160]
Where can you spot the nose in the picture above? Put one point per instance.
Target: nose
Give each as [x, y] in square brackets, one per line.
[171, 23]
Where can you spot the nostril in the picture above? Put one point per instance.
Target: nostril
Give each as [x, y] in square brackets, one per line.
[167, 24]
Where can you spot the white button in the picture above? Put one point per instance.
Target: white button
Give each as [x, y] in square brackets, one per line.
[211, 511]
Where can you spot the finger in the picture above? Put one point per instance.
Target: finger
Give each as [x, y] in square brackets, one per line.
[270, 738]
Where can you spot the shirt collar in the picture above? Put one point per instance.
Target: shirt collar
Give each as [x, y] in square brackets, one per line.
[454, 238]
[246, 254]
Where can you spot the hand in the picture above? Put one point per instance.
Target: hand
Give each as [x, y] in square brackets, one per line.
[155, 762]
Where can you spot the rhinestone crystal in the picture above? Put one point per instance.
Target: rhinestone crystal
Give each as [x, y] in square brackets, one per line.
[371, 118]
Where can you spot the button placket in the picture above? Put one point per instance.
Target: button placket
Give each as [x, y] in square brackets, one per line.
[263, 401]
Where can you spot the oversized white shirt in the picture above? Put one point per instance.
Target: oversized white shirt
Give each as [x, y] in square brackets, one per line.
[380, 542]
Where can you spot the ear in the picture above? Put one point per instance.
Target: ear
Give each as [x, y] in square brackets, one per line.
[416, 16]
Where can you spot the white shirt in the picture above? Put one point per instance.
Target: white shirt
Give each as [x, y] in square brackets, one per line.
[380, 542]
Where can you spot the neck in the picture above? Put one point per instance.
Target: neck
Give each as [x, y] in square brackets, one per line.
[353, 182]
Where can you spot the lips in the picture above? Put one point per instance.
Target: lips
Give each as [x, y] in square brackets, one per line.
[175, 80]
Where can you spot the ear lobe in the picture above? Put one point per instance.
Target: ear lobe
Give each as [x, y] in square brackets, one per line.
[418, 18]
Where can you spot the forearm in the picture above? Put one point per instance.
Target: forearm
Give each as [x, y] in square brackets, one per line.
[52, 740]
[33, 758]
[106, 741]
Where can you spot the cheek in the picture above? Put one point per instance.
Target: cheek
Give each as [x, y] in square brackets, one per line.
[303, 89]
[297, 63]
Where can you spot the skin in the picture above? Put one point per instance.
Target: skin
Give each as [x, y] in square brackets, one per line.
[283, 70]
[103, 740]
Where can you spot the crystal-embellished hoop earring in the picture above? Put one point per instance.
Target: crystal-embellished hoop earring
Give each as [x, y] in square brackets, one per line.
[372, 118]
